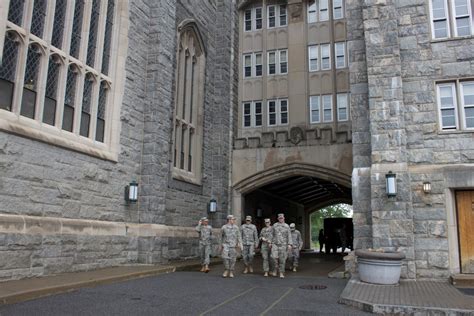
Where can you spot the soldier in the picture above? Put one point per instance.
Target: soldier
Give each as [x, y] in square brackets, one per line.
[266, 236]
[297, 245]
[231, 239]
[249, 242]
[281, 244]
[205, 235]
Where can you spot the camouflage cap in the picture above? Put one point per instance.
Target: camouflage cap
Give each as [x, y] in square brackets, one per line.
[230, 217]
[267, 220]
[248, 218]
[204, 219]
[292, 225]
[281, 215]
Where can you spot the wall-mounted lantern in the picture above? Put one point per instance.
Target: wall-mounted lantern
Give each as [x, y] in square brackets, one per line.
[259, 213]
[391, 184]
[131, 192]
[212, 206]
[427, 187]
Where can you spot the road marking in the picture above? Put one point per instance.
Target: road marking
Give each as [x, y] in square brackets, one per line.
[227, 301]
[276, 302]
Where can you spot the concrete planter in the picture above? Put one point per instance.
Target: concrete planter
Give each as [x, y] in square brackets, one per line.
[379, 267]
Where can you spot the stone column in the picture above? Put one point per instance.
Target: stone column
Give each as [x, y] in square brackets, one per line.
[392, 219]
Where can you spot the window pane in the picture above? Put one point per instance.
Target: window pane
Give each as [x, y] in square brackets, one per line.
[58, 26]
[463, 26]
[15, 11]
[248, 60]
[468, 93]
[92, 42]
[247, 108]
[108, 36]
[283, 21]
[448, 118]
[86, 105]
[38, 17]
[248, 20]
[469, 114]
[461, 7]
[100, 128]
[31, 82]
[9, 60]
[271, 16]
[258, 113]
[76, 28]
[440, 28]
[49, 109]
[337, 9]
[69, 100]
[446, 97]
[258, 18]
[258, 59]
[283, 106]
[323, 10]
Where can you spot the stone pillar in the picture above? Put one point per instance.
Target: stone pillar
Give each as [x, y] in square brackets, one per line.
[392, 219]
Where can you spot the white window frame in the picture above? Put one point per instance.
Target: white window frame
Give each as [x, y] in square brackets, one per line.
[312, 12]
[276, 62]
[323, 56]
[253, 114]
[452, 85]
[244, 115]
[433, 20]
[334, 9]
[323, 10]
[244, 61]
[281, 61]
[314, 107]
[345, 97]
[12, 121]
[313, 49]
[248, 20]
[278, 112]
[255, 64]
[324, 108]
[463, 105]
[256, 19]
[280, 15]
[274, 16]
[277, 16]
[336, 45]
[456, 17]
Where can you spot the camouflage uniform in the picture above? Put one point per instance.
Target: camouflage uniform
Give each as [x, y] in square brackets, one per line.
[297, 245]
[205, 235]
[281, 241]
[266, 236]
[231, 239]
[249, 242]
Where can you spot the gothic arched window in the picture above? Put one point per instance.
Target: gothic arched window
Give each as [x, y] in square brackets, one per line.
[189, 99]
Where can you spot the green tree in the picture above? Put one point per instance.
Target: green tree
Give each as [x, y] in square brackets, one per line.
[317, 218]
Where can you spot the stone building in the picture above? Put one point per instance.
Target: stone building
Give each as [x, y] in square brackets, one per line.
[93, 95]
[263, 105]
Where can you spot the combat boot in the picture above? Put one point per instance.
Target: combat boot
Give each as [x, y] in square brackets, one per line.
[266, 274]
[246, 270]
[274, 273]
[231, 274]
[206, 269]
[202, 269]
[294, 269]
[282, 275]
[226, 274]
[250, 269]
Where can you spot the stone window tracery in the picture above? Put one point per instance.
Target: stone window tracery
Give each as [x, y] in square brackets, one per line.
[189, 99]
[61, 78]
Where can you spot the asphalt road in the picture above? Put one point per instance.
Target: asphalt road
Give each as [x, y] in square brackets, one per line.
[195, 293]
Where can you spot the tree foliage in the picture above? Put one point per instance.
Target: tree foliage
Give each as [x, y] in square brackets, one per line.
[317, 218]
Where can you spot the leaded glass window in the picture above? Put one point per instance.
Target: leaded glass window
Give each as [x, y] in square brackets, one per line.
[15, 11]
[99, 136]
[58, 25]
[30, 85]
[92, 42]
[49, 109]
[86, 105]
[77, 28]
[69, 99]
[8, 71]
[38, 17]
[109, 23]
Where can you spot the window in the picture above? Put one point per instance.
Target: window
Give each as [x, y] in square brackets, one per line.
[258, 18]
[63, 90]
[323, 10]
[283, 62]
[312, 12]
[252, 114]
[313, 52]
[278, 62]
[314, 104]
[247, 66]
[277, 15]
[277, 112]
[452, 21]
[340, 49]
[447, 106]
[342, 107]
[467, 94]
[248, 20]
[325, 57]
[253, 65]
[189, 102]
[327, 108]
[337, 9]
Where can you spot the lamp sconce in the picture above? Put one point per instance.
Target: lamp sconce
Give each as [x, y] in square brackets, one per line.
[427, 187]
[391, 184]
[259, 213]
[131, 192]
[212, 207]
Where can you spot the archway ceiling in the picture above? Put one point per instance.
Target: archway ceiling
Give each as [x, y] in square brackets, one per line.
[308, 191]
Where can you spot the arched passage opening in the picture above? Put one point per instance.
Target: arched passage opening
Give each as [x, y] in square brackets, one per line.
[295, 189]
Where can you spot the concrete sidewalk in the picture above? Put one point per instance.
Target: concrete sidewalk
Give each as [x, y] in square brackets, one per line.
[27, 289]
[408, 298]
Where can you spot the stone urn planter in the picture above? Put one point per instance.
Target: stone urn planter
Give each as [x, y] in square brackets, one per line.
[379, 267]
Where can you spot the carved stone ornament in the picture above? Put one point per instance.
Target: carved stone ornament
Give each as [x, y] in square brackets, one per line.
[296, 135]
[296, 11]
